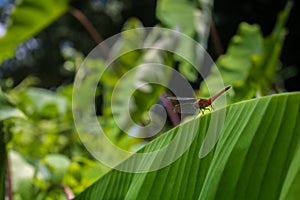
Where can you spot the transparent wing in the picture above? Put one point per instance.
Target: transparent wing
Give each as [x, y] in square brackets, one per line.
[186, 108]
[182, 99]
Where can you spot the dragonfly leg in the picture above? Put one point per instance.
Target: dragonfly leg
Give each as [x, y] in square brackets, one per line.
[204, 109]
[201, 110]
[208, 108]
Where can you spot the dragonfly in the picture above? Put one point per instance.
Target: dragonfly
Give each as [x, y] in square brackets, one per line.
[192, 105]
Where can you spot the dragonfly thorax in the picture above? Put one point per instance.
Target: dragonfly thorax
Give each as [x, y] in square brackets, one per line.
[203, 103]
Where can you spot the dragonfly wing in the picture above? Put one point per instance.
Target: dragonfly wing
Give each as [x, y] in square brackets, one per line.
[182, 99]
[186, 108]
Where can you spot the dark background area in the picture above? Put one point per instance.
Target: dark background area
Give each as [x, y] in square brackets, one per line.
[46, 60]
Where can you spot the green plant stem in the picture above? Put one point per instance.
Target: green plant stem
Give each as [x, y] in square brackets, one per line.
[89, 28]
[85, 22]
[2, 165]
[216, 39]
[8, 180]
[68, 192]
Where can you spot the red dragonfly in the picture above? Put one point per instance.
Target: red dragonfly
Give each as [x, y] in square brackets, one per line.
[191, 105]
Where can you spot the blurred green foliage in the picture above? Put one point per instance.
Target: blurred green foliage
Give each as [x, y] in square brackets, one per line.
[47, 143]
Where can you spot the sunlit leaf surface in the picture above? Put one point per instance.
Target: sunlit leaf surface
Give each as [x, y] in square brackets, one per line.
[256, 157]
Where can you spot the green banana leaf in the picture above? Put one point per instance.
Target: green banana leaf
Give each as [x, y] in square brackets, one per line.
[256, 157]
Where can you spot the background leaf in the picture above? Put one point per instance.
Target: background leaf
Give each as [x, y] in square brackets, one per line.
[39, 102]
[167, 11]
[251, 61]
[198, 15]
[7, 109]
[28, 18]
